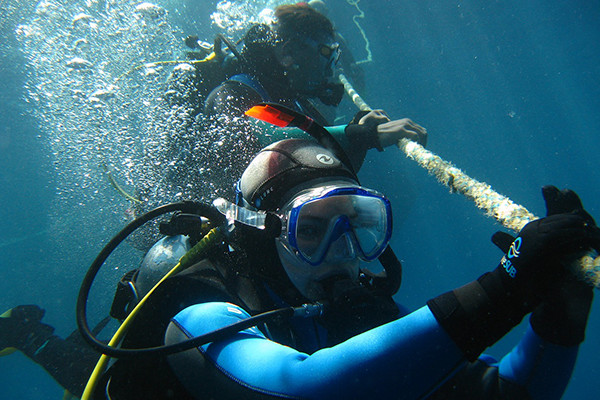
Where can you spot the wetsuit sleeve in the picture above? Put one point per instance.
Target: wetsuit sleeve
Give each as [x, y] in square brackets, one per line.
[534, 369]
[543, 368]
[406, 358]
[411, 357]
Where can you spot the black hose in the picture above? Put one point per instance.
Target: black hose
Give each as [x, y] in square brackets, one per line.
[197, 341]
[232, 48]
[189, 207]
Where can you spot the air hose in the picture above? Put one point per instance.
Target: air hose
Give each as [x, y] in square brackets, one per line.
[213, 237]
[118, 187]
[511, 215]
[86, 284]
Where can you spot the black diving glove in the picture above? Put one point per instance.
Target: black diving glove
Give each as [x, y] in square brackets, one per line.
[481, 312]
[562, 316]
[23, 329]
[363, 135]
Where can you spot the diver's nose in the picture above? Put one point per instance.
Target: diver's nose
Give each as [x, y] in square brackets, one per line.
[341, 249]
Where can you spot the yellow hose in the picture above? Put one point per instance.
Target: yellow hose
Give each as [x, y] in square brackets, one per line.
[209, 57]
[511, 215]
[213, 236]
[118, 187]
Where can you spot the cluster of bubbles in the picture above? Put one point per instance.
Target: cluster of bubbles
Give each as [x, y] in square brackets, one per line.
[90, 106]
[107, 92]
[235, 17]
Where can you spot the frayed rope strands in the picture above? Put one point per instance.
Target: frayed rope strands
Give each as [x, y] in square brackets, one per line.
[511, 215]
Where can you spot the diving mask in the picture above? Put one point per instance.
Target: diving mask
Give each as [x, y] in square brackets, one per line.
[331, 52]
[347, 221]
[350, 221]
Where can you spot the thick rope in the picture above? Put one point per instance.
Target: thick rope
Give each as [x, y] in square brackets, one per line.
[511, 215]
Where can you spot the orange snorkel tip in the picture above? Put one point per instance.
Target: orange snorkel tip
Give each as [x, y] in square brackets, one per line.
[271, 115]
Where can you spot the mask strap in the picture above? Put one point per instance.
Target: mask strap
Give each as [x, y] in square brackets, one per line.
[268, 222]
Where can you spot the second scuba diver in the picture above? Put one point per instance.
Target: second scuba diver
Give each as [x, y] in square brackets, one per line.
[206, 141]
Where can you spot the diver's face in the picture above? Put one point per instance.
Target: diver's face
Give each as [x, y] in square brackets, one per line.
[311, 62]
[327, 229]
[314, 225]
[340, 261]
[310, 279]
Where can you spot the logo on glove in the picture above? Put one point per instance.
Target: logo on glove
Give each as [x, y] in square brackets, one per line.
[515, 248]
[513, 252]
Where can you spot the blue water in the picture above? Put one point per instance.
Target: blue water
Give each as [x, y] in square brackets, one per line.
[508, 90]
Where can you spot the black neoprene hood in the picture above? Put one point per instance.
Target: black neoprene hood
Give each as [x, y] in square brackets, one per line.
[287, 164]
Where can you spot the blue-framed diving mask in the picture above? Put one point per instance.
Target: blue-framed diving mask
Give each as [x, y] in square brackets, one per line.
[333, 223]
[327, 223]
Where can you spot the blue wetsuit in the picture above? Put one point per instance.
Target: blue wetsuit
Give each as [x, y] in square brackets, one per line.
[409, 358]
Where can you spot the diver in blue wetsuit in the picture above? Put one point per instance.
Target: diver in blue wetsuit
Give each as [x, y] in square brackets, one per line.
[363, 345]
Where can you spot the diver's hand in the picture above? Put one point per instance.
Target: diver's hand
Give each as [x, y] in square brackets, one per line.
[533, 265]
[529, 267]
[390, 132]
[375, 117]
[562, 316]
[379, 131]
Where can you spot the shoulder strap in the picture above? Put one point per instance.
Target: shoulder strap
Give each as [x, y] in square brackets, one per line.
[253, 84]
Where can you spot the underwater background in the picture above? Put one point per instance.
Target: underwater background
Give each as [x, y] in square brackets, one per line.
[508, 90]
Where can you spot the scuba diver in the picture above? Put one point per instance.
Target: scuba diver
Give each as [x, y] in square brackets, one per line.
[347, 62]
[291, 62]
[301, 231]
[205, 140]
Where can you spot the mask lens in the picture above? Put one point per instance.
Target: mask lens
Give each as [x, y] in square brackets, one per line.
[325, 50]
[369, 224]
[310, 234]
[320, 222]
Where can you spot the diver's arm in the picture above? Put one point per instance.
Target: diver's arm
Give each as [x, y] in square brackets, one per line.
[69, 361]
[410, 357]
[529, 278]
[233, 99]
[534, 369]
